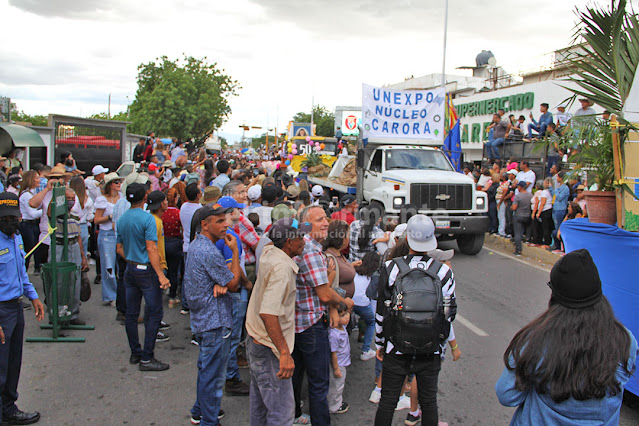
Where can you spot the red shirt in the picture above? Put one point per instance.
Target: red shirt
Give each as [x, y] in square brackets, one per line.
[343, 215]
[172, 224]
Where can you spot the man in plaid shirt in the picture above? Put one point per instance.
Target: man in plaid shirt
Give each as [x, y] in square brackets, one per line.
[311, 352]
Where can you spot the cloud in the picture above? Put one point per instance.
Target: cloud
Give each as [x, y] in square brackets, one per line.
[85, 9]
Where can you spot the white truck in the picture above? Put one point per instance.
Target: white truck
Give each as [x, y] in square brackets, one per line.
[400, 174]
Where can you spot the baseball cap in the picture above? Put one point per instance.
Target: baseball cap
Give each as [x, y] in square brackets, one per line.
[214, 210]
[135, 193]
[317, 191]
[288, 228]
[441, 255]
[229, 202]
[9, 205]
[281, 211]
[420, 233]
[399, 230]
[96, 170]
[254, 192]
[347, 200]
[152, 167]
[511, 172]
[154, 200]
[513, 165]
[522, 183]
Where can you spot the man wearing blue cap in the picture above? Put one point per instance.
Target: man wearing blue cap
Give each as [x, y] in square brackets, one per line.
[14, 285]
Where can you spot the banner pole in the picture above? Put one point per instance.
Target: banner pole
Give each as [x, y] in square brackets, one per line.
[445, 36]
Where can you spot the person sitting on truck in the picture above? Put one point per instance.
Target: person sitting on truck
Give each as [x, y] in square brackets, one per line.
[349, 207]
[541, 125]
[500, 129]
[366, 234]
[138, 151]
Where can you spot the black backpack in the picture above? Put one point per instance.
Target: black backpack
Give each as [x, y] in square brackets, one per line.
[416, 323]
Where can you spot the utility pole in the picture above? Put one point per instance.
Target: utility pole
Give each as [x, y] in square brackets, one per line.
[109, 110]
[445, 35]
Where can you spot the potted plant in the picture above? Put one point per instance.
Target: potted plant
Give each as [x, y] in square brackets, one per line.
[603, 72]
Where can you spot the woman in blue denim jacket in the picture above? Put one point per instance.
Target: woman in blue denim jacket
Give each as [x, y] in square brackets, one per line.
[570, 365]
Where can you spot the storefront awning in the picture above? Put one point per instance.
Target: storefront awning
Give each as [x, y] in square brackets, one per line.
[23, 137]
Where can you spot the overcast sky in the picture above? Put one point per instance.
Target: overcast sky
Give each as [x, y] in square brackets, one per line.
[67, 56]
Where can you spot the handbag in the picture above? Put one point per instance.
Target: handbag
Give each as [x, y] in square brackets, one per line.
[85, 287]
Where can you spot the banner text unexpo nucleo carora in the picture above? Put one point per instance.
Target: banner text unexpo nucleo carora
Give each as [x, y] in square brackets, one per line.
[414, 114]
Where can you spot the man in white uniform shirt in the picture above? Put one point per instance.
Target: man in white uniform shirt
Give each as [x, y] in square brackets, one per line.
[526, 175]
[92, 183]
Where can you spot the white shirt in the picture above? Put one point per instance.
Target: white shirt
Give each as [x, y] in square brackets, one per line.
[545, 194]
[482, 180]
[87, 213]
[361, 284]
[28, 212]
[102, 203]
[528, 176]
[563, 118]
[187, 211]
[264, 212]
[93, 187]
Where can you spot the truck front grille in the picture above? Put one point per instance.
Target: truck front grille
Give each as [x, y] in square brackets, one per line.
[434, 196]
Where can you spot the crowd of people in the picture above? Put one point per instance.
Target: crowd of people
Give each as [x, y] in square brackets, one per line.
[526, 209]
[272, 275]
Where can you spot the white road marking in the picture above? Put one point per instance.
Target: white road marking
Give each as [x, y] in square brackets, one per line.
[517, 259]
[472, 327]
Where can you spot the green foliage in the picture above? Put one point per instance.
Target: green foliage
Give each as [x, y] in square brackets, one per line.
[312, 159]
[35, 120]
[322, 117]
[120, 116]
[604, 74]
[631, 222]
[185, 100]
[259, 141]
[223, 143]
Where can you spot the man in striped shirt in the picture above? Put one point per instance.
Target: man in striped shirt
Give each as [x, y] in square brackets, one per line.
[420, 233]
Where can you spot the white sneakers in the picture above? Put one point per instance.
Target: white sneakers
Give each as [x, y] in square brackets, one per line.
[369, 354]
[375, 396]
[403, 403]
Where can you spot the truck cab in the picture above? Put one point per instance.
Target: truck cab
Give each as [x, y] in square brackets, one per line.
[398, 176]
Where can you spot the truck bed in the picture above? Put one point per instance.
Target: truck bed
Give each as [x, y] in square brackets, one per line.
[332, 185]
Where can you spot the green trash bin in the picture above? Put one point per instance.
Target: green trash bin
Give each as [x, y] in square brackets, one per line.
[66, 278]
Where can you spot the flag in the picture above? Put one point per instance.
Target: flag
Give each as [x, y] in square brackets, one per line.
[452, 141]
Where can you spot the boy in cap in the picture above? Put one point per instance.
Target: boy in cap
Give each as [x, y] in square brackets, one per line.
[420, 234]
[14, 285]
[137, 244]
[207, 280]
[270, 323]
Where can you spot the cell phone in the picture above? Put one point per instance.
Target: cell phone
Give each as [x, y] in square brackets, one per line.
[335, 201]
[255, 172]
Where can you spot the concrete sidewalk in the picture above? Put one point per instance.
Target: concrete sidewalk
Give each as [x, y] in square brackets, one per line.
[534, 255]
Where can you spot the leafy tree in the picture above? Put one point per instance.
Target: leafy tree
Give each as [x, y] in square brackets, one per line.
[322, 117]
[120, 116]
[35, 120]
[223, 143]
[185, 100]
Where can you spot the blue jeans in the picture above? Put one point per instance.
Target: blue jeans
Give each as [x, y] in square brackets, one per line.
[540, 129]
[492, 148]
[12, 323]
[185, 304]
[312, 355]
[557, 218]
[142, 283]
[84, 234]
[367, 314]
[174, 254]
[239, 314]
[551, 161]
[211, 365]
[106, 246]
[272, 400]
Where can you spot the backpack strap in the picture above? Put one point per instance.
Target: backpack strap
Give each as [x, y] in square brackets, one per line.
[401, 264]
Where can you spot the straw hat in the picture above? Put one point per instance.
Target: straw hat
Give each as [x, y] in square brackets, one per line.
[57, 171]
[113, 176]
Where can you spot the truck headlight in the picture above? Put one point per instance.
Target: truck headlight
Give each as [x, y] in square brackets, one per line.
[398, 202]
[479, 202]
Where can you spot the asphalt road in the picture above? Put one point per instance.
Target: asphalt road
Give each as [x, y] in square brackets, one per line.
[93, 382]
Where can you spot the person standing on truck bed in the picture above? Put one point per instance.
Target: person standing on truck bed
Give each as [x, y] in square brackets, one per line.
[138, 151]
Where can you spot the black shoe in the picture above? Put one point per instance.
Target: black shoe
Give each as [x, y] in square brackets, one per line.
[37, 270]
[164, 326]
[77, 321]
[518, 253]
[135, 359]
[342, 409]
[220, 414]
[20, 418]
[236, 387]
[161, 337]
[120, 316]
[412, 420]
[153, 365]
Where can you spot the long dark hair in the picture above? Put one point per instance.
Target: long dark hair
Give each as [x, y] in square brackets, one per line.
[369, 215]
[370, 264]
[400, 249]
[337, 232]
[570, 352]
[209, 169]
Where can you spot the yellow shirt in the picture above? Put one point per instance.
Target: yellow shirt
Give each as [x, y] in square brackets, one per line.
[160, 228]
[273, 294]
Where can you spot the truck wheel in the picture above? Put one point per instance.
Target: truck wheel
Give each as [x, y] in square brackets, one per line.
[470, 244]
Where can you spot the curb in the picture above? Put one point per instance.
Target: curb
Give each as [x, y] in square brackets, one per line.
[534, 255]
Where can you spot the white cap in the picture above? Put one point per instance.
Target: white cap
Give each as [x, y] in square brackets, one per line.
[511, 172]
[441, 255]
[98, 169]
[317, 191]
[399, 230]
[254, 192]
[420, 234]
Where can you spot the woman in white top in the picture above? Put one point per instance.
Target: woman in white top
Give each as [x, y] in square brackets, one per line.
[370, 264]
[86, 209]
[30, 225]
[106, 235]
[543, 213]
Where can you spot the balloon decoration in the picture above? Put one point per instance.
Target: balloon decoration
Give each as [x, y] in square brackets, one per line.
[294, 151]
[287, 162]
[322, 146]
[308, 139]
[290, 156]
